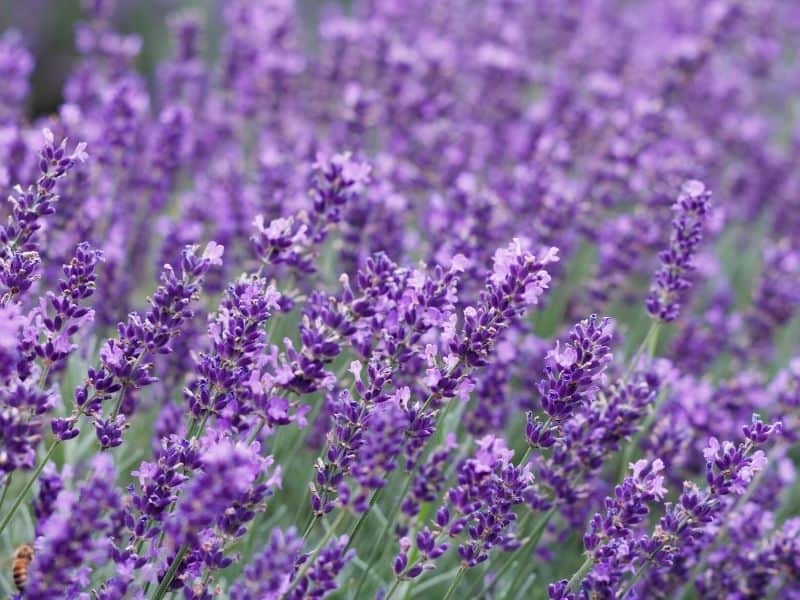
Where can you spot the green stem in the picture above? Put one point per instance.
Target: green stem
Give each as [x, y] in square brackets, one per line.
[378, 550]
[310, 526]
[632, 582]
[527, 454]
[362, 518]
[529, 546]
[194, 431]
[163, 587]
[43, 378]
[379, 547]
[392, 589]
[28, 485]
[6, 486]
[302, 505]
[121, 395]
[584, 568]
[648, 344]
[456, 580]
[257, 430]
[312, 557]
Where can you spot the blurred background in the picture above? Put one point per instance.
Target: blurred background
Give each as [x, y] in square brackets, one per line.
[48, 27]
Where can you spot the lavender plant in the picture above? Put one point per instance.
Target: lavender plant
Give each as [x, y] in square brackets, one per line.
[310, 309]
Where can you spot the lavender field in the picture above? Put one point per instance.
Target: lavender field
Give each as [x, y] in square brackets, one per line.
[400, 299]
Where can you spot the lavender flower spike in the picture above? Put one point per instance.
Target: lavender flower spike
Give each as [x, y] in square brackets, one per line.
[269, 575]
[74, 535]
[670, 281]
[19, 256]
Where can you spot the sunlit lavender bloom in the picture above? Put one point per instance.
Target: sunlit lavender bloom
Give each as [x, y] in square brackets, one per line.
[573, 373]
[730, 469]
[320, 579]
[123, 369]
[269, 575]
[670, 281]
[74, 536]
[229, 372]
[293, 241]
[60, 316]
[611, 538]
[614, 542]
[19, 256]
[228, 475]
[517, 281]
[16, 64]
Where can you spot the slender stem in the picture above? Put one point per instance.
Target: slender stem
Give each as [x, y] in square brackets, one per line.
[43, 378]
[190, 430]
[521, 576]
[527, 454]
[202, 427]
[632, 582]
[648, 344]
[124, 389]
[312, 557]
[362, 518]
[310, 526]
[392, 589]
[28, 485]
[529, 546]
[192, 433]
[302, 505]
[163, 587]
[256, 431]
[456, 580]
[584, 568]
[6, 486]
[379, 548]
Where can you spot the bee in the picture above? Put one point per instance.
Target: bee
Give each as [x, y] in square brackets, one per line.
[19, 566]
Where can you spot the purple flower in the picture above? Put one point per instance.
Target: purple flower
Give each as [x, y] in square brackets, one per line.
[517, 281]
[269, 574]
[292, 241]
[60, 316]
[670, 281]
[16, 65]
[572, 376]
[229, 374]
[231, 482]
[614, 541]
[73, 537]
[19, 256]
[320, 579]
[123, 368]
[51, 483]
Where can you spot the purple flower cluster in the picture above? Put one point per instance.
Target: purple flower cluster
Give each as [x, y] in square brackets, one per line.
[326, 293]
[123, 368]
[670, 280]
[73, 538]
[478, 508]
[615, 543]
[19, 256]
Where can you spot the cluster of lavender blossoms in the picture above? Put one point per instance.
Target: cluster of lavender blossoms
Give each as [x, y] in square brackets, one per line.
[379, 299]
